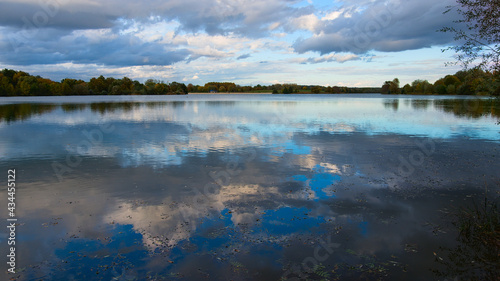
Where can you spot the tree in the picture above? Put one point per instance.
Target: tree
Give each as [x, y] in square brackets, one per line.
[28, 85]
[451, 89]
[178, 88]
[138, 88]
[43, 86]
[407, 89]
[17, 76]
[451, 80]
[98, 85]
[394, 87]
[385, 88]
[126, 86]
[479, 42]
[422, 87]
[6, 88]
[81, 89]
[316, 89]
[391, 87]
[161, 88]
[65, 88]
[56, 89]
[9, 73]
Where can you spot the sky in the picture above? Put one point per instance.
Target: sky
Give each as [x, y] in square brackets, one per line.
[329, 43]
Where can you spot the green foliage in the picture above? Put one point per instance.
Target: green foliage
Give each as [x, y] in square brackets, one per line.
[441, 89]
[316, 90]
[178, 88]
[98, 85]
[407, 89]
[394, 87]
[6, 87]
[478, 40]
[16, 83]
[474, 81]
[287, 88]
[451, 80]
[391, 87]
[219, 87]
[20, 83]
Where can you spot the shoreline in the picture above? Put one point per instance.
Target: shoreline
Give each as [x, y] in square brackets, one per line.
[245, 93]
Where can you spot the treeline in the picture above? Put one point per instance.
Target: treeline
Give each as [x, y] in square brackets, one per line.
[287, 88]
[19, 83]
[315, 89]
[465, 82]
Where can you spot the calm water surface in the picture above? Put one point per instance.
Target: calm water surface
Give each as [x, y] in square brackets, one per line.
[243, 187]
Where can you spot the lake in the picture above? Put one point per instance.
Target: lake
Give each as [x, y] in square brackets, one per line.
[244, 187]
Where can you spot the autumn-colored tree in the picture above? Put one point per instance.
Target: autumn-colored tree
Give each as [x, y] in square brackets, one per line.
[391, 87]
[98, 85]
[422, 87]
[394, 87]
[126, 86]
[407, 89]
[6, 87]
[178, 88]
[478, 42]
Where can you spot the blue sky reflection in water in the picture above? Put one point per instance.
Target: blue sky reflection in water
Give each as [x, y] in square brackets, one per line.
[247, 187]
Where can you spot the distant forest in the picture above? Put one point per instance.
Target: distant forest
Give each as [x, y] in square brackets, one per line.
[465, 82]
[19, 83]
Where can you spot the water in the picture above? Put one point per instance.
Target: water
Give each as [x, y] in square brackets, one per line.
[243, 187]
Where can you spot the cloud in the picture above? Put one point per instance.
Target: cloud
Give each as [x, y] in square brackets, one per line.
[130, 38]
[209, 52]
[377, 25]
[211, 16]
[50, 13]
[245, 56]
[341, 58]
[307, 22]
[94, 46]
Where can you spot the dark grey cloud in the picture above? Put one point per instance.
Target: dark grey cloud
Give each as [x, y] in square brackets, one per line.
[245, 56]
[50, 14]
[402, 25]
[47, 31]
[124, 50]
[211, 16]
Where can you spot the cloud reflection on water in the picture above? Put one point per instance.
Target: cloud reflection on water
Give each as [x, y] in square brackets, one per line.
[232, 183]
